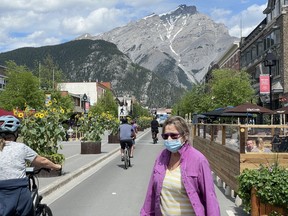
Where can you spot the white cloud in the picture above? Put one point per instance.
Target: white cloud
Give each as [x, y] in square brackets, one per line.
[52, 5]
[242, 23]
[99, 20]
[44, 22]
[218, 12]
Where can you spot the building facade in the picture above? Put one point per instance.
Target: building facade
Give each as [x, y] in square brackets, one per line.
[231, 58]
[268, 37]
[84, 94]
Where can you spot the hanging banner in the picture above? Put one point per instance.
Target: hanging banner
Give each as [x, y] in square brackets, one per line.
[87, 106]
[264, 81]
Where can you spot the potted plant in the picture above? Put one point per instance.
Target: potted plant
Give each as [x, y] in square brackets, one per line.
[92, 127]
[143, 122]
[112, 126]
[266, 185]
[42, 130]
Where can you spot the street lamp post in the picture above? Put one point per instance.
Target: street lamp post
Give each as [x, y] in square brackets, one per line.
[270, 61]
[84, 98]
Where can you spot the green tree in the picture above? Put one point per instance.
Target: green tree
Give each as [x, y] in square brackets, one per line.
[22, 89]
[230, 88]
[138, 110]
[106, 103]
[226, 88]
[194, 101]
[48, 73]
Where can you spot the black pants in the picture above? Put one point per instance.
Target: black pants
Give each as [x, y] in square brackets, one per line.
[123, 143]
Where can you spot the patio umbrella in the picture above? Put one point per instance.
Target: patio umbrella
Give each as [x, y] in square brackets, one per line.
[216, 112]
[249, 108]
[282, 111]
[220, 112]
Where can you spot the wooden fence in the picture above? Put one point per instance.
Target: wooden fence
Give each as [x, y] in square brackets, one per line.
[224, 147]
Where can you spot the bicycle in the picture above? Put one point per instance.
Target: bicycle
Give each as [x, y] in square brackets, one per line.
[39, 208]
[127, 161]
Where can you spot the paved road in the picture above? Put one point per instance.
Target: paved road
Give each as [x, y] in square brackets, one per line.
[106, 188]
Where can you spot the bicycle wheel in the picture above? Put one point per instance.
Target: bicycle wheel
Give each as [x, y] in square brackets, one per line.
[129, 160]
[44, 210]
[126, 158]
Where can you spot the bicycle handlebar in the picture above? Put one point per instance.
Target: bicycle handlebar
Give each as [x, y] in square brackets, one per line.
[33, 170]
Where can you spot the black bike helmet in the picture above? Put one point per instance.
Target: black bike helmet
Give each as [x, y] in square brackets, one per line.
[9, 123]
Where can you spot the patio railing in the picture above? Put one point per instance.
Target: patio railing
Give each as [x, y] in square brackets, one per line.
[224, 147]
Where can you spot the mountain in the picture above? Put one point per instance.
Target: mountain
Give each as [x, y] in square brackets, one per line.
[178, 45]
[92, 60]
[156, 58]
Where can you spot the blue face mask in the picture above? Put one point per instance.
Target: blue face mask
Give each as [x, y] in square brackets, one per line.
[173, 145]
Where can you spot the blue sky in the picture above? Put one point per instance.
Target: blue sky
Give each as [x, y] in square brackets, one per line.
[34, 23]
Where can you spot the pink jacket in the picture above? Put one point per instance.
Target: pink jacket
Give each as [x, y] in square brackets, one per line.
[197, 180]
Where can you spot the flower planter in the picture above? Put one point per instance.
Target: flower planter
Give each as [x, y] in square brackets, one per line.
[140, 129]
[258, 208]
[91, 147]
[113, 138]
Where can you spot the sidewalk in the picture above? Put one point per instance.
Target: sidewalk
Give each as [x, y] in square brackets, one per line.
[76, 164]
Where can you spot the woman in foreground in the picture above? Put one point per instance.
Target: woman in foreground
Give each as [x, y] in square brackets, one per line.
[181, 182]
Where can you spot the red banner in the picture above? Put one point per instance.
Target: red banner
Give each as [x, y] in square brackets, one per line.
[87, 106]
[264, 81]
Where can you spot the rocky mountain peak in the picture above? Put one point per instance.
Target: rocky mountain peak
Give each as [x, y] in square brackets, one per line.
[181, 10]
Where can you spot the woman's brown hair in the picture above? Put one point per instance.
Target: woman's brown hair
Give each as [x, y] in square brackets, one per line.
[180, 125]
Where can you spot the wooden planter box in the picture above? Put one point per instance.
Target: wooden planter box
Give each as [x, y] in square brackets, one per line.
[258, 208]
[140, 129]
[113, 138]
[91, 147]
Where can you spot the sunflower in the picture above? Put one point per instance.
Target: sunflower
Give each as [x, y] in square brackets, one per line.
[20, 115]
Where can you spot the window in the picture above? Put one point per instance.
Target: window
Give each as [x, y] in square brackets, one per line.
[276, 9]
[260, 47]
[248, 56]
[254, 52]
[276, 70]
[276, 35]
[243, 60]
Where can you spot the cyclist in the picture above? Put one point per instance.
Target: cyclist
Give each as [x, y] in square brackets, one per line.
[15, 197]
[126, 135]
[154, 127]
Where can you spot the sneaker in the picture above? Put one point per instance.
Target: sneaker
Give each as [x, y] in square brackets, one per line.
[122, 158]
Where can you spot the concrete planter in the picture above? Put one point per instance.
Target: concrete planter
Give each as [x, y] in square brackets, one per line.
[89, 147]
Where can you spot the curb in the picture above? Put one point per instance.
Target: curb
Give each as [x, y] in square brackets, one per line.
[67, 178]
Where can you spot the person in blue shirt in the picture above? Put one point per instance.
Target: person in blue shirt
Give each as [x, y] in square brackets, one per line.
[126, 135]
